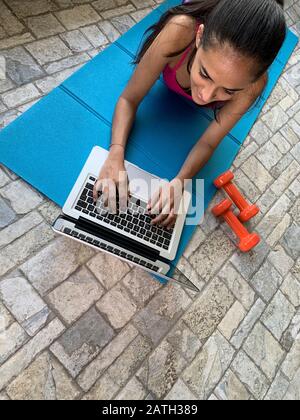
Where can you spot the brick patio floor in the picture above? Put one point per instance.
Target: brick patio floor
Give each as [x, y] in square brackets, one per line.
[78, 324]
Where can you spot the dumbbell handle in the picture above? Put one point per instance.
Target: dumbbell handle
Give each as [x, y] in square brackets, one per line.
[236, 196]
[238, 228]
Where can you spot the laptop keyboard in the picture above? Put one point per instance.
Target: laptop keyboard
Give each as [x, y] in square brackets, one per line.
[109, 248]
[135, 221]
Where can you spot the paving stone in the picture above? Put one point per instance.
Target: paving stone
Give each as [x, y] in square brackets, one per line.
[5, 318]
[282, 183]
[25, 107]
[130, 360]
[264, 203]
[278, 388]
[50, 211]
[291, 132]
[141, 285]
[48, 50]
[184, 341]
[82, 342]
[248, 263]
[9, 22]
[22, 198]
[24, 303]
[133, 391]
[44, 26]
[29, 351]
[275, 318]
[102, 5]
[209, 309]
[7, 215]
[266, 281]
[48, 269]
[108, 269]
[16, 40]
[246, 326]
[255, 171]
[3, 397]
[293, 75]
[44, 379]
[117, 306]
[281, 143]
[78, 16]
[11, 339]
[295, 212]
[2, 107]
[292, 361]
[7, 118]
[277, 233]
[212, 254]
[162, 369]
[103, 390]
[293, 393]
[237, 285]
[20, 96]
[76, 295]
[291, 333]
[94, 35]
[260, 132]
[109, 354]
[208, 367]
[109, 30]
[250, 375]
[281, 261]
[19, 228]
[274, 216]
[291, 241]
[232, 320]
[231, 388]
[209, 222]
[67, 63]
[275, 118]
[76, 41]
[291, 289]
[24, 8]
[264, 350]
[296, 152]
[185, 269]
[295, 188]
[4, 179]
[180, 392]
[156, 319]
[269, 155]
[17, 252]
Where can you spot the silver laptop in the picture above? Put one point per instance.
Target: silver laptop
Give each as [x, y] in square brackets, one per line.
[127, 235]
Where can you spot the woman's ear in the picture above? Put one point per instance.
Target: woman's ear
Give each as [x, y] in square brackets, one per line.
[199, 35]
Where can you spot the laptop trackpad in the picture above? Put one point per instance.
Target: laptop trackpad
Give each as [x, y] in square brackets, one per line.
[141, 183]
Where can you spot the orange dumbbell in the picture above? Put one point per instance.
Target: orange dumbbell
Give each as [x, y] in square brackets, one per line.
[247, 211]
[247, 240]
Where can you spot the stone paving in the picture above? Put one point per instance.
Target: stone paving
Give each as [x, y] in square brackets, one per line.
[76, 324]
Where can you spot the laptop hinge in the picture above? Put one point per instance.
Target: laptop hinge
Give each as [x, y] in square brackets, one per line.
[117, 238]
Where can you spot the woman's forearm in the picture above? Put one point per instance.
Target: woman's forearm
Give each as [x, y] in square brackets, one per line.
[123, 119]
[196, 159]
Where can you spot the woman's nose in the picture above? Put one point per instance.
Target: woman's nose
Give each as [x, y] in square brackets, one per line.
[208, 94]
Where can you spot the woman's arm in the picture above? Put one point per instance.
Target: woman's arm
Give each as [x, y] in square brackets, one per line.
[228, 116]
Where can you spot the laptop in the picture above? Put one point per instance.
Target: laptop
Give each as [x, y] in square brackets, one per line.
[127, 234]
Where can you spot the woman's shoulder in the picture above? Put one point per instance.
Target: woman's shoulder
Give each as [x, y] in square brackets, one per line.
[181, 29]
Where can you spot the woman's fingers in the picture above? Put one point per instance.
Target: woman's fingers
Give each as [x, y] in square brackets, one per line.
[170, 220]
[97, 187]
[154, 201]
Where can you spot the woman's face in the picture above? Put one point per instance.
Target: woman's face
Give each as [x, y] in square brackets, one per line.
[218, 74]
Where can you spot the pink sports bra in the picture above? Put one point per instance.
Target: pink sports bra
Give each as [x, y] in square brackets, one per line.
[169, 75]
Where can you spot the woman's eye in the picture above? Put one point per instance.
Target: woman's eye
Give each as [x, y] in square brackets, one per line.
[203, 75]
[229, 93]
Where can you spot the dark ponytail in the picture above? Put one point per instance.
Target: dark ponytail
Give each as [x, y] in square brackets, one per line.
[254, 28]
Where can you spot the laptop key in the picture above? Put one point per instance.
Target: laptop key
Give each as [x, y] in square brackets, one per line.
[82, 204]
[93, 215]
[146, 239]
[85, 211]
[113, 224]
[127, 230]
[133, 233]
[160, 240]
[90, 200]
[167, 235]
[136, 228]
[143, 231]
[165, 247]
[130, 225]
[67, 230]
[95, 242]
[140, 236]
[89, 186]
[92, 179]
[148, 234]
[91, 208]
[78, 208]
[152, 241]
[120, 227]
[155, 237]
[167, 242]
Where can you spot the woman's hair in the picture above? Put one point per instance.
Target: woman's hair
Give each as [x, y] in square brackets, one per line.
[254, 28]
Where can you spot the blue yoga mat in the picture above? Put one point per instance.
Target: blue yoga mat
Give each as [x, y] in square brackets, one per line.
[50, 142]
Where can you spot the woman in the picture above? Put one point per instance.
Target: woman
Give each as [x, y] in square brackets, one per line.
[216, 53]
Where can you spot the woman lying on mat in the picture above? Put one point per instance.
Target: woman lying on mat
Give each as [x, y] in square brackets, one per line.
[214, 52]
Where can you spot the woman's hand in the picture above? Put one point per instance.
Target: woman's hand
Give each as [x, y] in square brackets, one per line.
[165, 203]
[113, 183]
